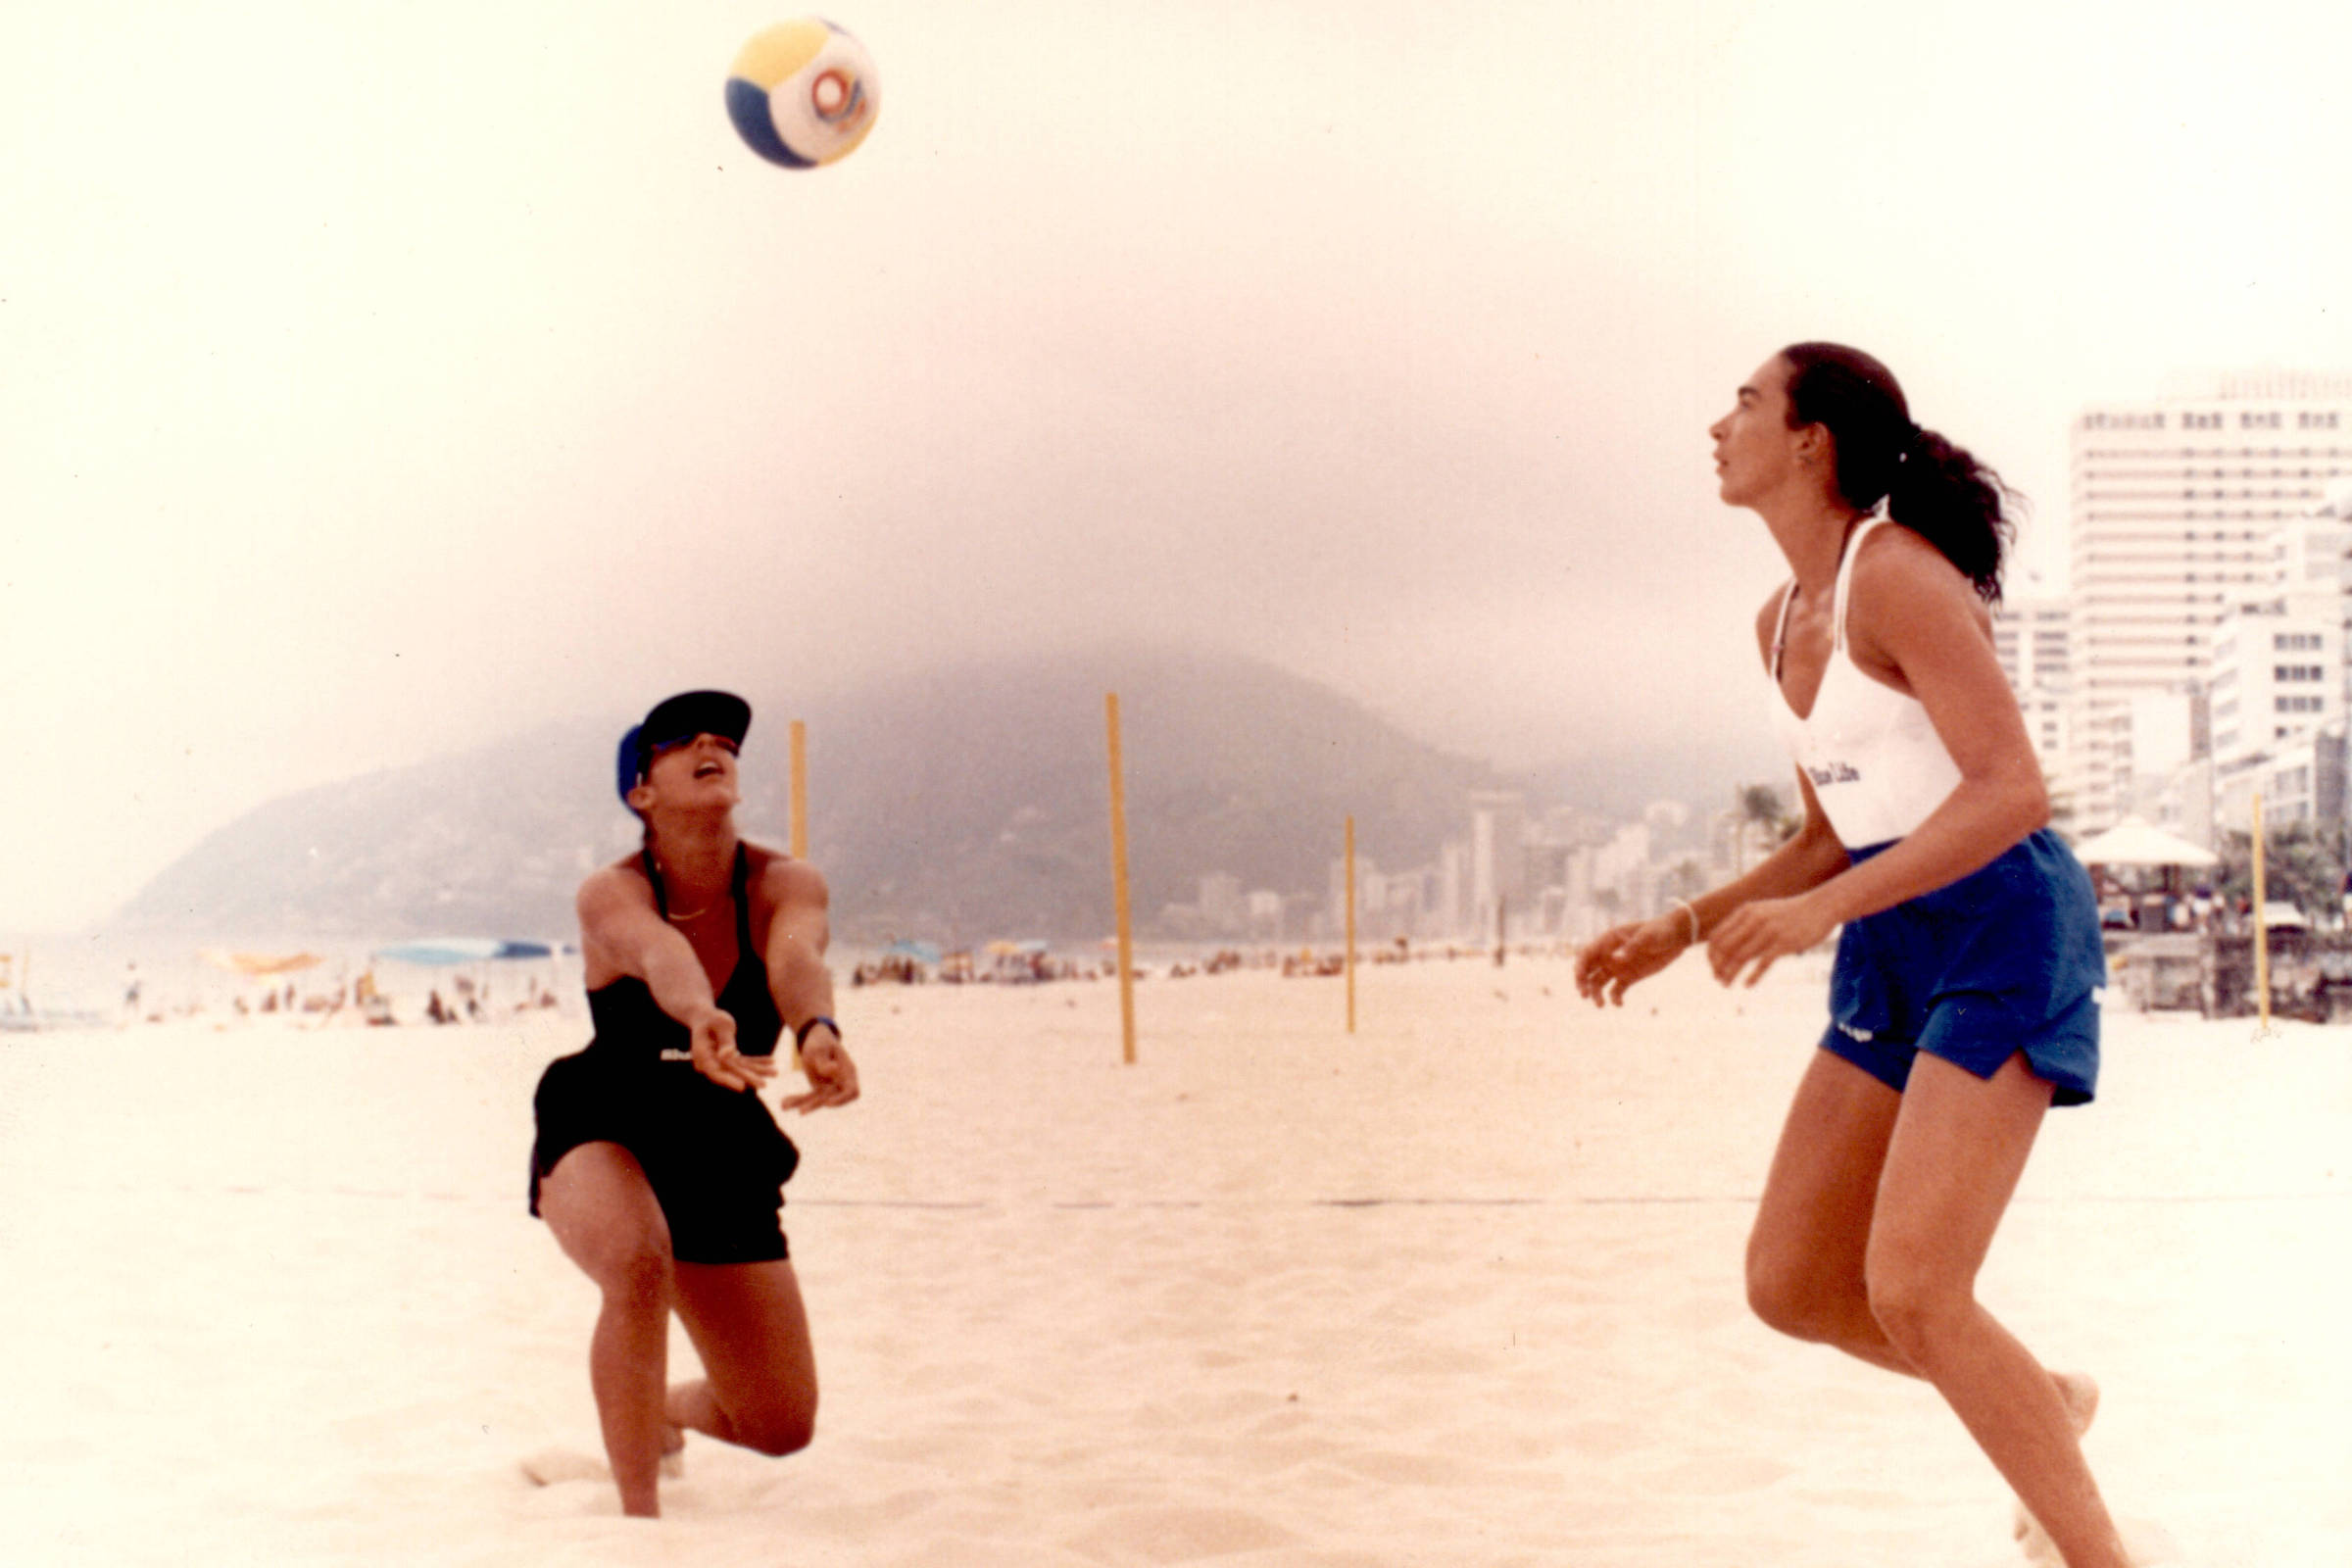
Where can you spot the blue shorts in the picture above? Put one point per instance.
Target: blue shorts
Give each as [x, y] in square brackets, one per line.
[2008, 958]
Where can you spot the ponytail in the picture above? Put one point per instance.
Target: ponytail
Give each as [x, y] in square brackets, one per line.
[1944, 495]
[1937, 490]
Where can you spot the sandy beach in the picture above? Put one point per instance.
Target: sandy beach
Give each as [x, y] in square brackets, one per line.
[1461, 1289]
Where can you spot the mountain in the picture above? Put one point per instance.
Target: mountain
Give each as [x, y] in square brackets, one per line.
[968, 803]
[965, 804]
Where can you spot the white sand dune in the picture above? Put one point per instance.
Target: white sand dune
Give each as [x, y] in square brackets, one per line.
[1462, 1288]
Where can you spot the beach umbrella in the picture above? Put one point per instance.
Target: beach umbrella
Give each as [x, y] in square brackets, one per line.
[920, 952]
[253, 965]
[2136, 840]
[434, 952]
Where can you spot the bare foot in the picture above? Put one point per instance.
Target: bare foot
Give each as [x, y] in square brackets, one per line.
[2080, 1392]
[673, 1451]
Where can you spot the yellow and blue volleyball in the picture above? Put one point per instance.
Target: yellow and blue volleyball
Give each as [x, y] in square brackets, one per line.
[802, 93]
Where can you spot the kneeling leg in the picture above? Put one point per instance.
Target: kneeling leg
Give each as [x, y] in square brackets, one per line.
[750, 1328]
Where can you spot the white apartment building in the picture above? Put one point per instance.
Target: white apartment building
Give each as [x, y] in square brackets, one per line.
[2278, 673]
[2179, 506]
[2281, 687]
[2034, 638]
[1497, 859]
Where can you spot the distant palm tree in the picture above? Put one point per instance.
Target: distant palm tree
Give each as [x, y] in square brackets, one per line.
[2303, 865]
[1687, 879]
[1760, 806]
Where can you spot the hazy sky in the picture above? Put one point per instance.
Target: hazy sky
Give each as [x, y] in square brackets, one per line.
[376, 377]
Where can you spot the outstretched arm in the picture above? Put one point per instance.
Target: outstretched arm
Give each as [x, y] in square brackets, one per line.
[1640, 949]
[624, 932]
[798, 934]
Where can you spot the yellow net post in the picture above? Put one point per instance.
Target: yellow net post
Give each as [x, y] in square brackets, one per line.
[1119, 883]
[800, 816]
[1350, 895]
[799, 790]
[2261, 930]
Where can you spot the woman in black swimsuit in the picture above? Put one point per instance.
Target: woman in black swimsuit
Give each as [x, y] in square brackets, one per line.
[657, 1166]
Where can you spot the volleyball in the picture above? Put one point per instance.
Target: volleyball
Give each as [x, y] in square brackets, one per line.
[802, 93]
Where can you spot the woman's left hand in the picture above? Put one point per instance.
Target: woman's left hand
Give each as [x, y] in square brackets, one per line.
[1626, 954]
[832, 1076]
[1756, 934]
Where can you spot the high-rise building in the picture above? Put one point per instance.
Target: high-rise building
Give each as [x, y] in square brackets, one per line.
[2278, 673]
[1497, 859]
[2282, 677]
[2034, 638]
[2178, 507]
[1221, 903]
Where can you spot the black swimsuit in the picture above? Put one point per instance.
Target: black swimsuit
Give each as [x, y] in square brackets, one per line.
[715, 1157]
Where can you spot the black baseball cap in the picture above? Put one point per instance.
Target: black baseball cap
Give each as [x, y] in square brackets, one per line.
[678, 718]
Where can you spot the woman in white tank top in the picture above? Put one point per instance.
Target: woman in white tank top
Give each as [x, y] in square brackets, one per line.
[1964, 1003]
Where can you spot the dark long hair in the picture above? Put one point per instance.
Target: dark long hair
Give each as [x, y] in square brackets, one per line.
[1934, 488]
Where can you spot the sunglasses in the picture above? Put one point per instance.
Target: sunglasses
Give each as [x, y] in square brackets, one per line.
[663, 748]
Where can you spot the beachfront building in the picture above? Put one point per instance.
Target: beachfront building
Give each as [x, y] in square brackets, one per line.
[2278, 673]
[1563, 848]
[1263, 912]
[2301, 780]
[1224, 914]
[1498, 860]
[1371, 896]
[1390, 906]
[2034, 638]
[2179, 506]
[2283, 678]
[1449, 915]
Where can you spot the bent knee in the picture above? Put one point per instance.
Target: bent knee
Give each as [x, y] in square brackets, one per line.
[1799, 1301]
[608, 1221]
[779, 1432]
[632, 1265]
[1915, 1309]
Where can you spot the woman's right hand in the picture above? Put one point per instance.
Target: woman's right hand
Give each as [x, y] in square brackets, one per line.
[1628, 953]
[716, 1057]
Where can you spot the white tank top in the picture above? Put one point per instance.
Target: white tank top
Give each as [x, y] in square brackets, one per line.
[1878, 766]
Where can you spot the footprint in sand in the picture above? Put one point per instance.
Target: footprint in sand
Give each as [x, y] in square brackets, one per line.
[555, 1467]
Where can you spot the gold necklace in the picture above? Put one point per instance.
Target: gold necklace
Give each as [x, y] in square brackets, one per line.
[653, 868]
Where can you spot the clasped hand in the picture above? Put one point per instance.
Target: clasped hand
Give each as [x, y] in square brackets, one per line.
[716, 1058]
[832, 1076]
[1756, 934]
[1745, 945]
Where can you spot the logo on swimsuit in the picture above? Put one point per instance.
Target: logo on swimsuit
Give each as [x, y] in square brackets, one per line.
[677, 1055]
[1834, 773]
